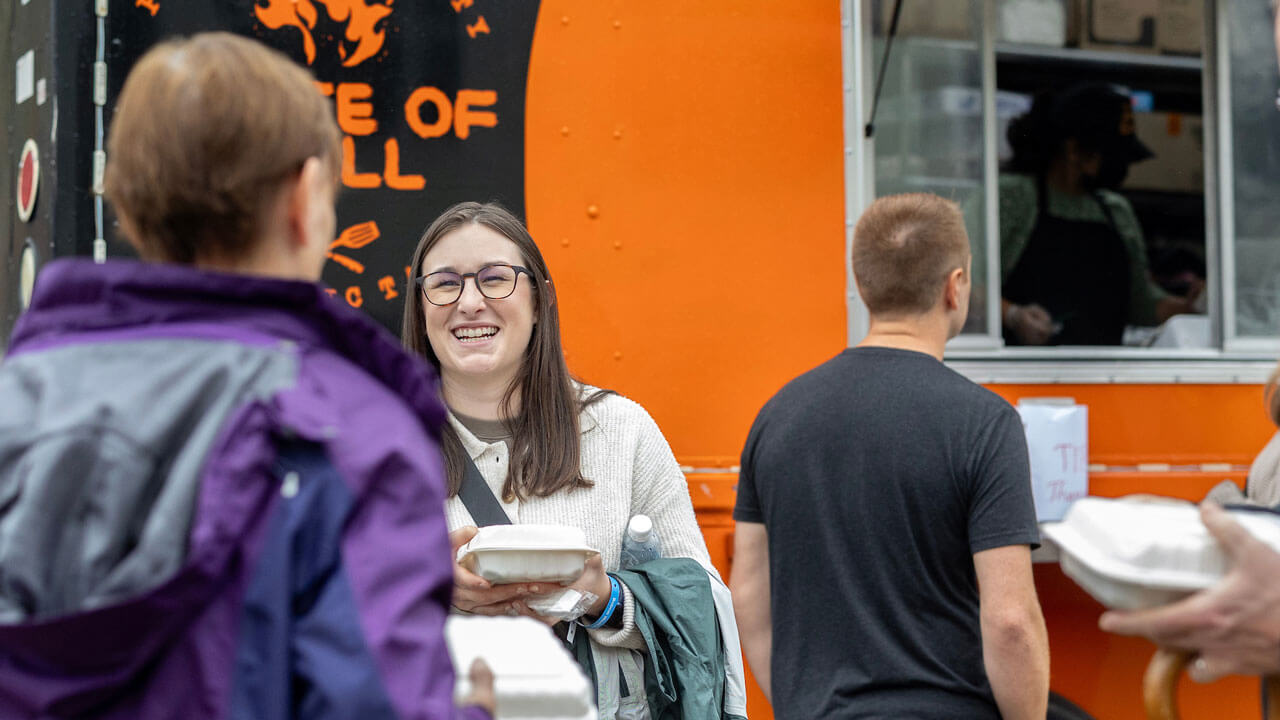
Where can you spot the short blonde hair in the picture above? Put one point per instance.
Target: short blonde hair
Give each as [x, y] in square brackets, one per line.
[205, 130]
[904, 247]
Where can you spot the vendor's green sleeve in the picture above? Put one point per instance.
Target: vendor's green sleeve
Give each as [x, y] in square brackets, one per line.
[1017, 194]
[1016, 198]
[1143, 292]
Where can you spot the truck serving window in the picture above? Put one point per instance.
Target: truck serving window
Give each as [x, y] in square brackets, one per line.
[1117, 167]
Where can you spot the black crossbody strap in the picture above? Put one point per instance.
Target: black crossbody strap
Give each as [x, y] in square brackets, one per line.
[479, 500]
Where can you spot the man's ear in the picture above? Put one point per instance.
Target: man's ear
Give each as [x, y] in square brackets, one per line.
[305, 191]
[951, 290]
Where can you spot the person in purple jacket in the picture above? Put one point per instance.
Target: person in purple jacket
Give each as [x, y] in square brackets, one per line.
[221, 492]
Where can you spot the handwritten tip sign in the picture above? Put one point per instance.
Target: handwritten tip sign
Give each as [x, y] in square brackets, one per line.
[1058, 447]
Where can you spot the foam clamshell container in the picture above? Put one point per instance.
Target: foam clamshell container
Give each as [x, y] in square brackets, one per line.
[526, 553]
[534, 678]
[1133, 554]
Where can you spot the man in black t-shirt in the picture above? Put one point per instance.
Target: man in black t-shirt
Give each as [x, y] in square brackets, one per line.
[882, 557]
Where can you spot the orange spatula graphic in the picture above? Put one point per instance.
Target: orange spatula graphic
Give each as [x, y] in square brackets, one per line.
[353, 238]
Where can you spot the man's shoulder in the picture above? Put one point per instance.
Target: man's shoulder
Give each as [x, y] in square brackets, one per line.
[811, 385]
[977, 395]
[910, 369]
[336, 395]
[956, 401]
[893, 366]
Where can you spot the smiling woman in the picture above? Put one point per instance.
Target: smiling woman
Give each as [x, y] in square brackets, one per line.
[553, 451]
[493, 366]
[480, 329]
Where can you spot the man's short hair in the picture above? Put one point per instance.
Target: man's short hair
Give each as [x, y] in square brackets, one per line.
[205, 131]
[904, 247]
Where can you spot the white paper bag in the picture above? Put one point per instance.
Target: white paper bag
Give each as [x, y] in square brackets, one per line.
[1058, 443]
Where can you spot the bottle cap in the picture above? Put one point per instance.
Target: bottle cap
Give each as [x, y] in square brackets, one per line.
[639, 528]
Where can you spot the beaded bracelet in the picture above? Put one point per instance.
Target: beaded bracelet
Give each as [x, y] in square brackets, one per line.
[615, 593]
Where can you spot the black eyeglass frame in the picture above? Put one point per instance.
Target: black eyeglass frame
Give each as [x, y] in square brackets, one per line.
[420, 282]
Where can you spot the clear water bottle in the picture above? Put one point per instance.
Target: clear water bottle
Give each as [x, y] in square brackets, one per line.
[640, 542]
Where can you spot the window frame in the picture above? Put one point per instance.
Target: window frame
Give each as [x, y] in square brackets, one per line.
[983, 357]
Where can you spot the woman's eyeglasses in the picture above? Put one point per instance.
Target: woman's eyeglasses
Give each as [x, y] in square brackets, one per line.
[494, 281]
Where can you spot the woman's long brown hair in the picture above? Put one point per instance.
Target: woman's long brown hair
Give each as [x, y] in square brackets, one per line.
[545, 432]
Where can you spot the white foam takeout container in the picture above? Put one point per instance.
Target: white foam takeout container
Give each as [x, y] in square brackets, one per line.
[1135, 554]
[526, 553]
[534, 678]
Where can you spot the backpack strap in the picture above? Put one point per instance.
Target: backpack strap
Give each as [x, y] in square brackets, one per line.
[479, 500]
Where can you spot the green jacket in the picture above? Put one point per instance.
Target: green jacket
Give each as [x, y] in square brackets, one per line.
[684, 660]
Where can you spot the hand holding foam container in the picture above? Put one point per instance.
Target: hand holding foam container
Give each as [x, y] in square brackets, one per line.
[1058, 444]
[526, 553]
[1133, 554]
[534, 676]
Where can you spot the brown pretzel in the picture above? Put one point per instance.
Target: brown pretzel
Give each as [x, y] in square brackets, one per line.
[1160, 686]
[1160, 683]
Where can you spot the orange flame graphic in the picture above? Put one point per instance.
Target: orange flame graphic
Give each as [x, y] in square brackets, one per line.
[360, 18]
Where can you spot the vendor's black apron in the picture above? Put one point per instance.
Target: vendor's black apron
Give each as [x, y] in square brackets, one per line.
[1078, 270]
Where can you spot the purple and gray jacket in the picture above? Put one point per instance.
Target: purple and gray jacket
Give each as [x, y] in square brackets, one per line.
[221, 496]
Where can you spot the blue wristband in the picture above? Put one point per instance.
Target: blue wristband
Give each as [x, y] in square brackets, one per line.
[615, 593]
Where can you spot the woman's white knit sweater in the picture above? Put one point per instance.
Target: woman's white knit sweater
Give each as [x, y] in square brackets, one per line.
[633, 471]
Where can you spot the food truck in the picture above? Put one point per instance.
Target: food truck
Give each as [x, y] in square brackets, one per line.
[693, 171]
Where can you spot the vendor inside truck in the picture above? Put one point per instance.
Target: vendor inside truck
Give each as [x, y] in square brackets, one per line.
[1073, 263]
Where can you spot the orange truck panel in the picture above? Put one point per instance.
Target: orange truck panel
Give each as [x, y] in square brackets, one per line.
[685, 181]
[1173, 424]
